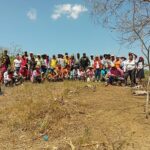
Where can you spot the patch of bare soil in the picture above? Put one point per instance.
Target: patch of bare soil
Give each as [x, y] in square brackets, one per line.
[72, 116]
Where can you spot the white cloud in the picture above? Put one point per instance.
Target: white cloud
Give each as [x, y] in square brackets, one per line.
[32, 14]
[71, 11]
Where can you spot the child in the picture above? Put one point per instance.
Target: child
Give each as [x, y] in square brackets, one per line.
[90, 74]
[8, 77]
[81, 74]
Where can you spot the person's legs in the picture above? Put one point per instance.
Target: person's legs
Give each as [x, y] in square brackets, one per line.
[126, 77]
[133, 79]
[98, 74]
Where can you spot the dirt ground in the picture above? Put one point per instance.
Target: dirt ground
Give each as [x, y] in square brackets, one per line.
[72, 116]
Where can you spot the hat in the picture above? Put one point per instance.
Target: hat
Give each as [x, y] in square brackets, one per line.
[112, 65]
[37, 66]
[123, 57]
[90, 67]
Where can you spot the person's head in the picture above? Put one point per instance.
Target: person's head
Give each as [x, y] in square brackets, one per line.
[117, 58]
[67, 57]
[37, 68]
[123, 58]
[90, 68]
[17, 56]
[38, 56]
[31, 54]
[72, 56]
[78, 55]
[23, 56]
[130, 56]
[66, 54]
[101, 57]
[105, 56]
[25, 53]
[112, 57]
[141, 59]
[54, 57]
[84, 55]
[5, 52]
[59, 66]
[92, 57]
[96, 58]
[108, 56]
[113, 66]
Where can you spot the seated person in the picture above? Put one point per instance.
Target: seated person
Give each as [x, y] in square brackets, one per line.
[59, 72]
[113, 75]
[90, 74]
[52, 75]
[81, 74]
[66, 72]
[8, 77]
[24, 72]
[36, 76]
[17, 77]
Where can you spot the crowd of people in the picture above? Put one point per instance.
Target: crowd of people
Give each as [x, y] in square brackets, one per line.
[38, 68]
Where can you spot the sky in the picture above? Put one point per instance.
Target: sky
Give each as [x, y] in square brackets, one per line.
[55, 26]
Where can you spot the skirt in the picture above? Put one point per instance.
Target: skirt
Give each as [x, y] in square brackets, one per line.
[140, 74]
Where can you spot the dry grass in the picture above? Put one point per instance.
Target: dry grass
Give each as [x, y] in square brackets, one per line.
[74, 115]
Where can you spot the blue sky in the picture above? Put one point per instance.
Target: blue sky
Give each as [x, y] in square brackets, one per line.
[55, 26]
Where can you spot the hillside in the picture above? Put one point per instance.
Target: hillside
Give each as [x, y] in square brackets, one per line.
[72, 115]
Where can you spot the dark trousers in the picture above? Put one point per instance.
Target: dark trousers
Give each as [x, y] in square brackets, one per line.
[131, 74]
[97, 74]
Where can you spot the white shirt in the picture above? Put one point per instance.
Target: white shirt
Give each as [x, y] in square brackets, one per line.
[140, 65]
[130, 65]
[17, 63]
[6, 77]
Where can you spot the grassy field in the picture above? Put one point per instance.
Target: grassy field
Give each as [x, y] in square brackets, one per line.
[72, 116]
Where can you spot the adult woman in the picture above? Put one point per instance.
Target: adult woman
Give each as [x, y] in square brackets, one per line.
[130, 69]
[140, 69]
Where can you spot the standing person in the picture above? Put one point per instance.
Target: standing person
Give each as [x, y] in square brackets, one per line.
[26, 55]
[117, 63]
[5, 61]
[53, 62]
[78, 60]
[84, 61]
[140, 69]
[67, 60]
[72, 61]
[61, 60]
[91, 61]
[97, 67]
[130, 70]
[38, 60]
[17, 63]
[44, 64]
[31, 64]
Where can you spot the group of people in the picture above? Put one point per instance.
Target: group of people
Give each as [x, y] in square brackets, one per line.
[38, 68]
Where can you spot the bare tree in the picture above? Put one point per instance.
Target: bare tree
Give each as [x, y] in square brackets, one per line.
[131, 18]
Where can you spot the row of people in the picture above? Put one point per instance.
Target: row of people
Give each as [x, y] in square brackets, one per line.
[99, 68]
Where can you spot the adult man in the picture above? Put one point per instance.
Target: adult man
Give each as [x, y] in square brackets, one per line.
[84, 61]
[5, 61]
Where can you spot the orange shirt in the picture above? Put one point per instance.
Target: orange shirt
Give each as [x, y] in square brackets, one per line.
[117, 64]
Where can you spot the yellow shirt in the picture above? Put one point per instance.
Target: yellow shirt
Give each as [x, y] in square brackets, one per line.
[53, 63]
